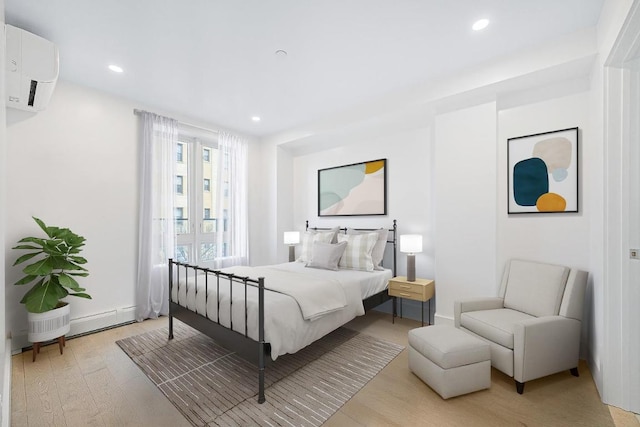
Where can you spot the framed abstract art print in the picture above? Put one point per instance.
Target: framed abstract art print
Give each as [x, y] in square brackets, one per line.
[543, 172]
[356, 189]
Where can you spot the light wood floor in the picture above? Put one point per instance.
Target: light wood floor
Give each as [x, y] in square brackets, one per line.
[95, 384]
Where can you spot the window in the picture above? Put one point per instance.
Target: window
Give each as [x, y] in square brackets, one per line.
[179, 150]
[197, 199]
[180, 220]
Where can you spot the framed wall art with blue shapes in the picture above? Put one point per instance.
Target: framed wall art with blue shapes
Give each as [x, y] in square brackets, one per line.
[543, 172]
[356, 189]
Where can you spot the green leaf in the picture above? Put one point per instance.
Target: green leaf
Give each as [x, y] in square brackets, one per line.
[35, 240]
[81, 295]
[40, 268]
[42, 298]
[25, 257]
[35, 248]
[78, 259]
[68, 281]
[42, 225]
[26, 279]
[59, 233]
[78, 274]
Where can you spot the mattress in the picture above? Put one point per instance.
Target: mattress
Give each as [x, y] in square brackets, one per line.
[285, 328]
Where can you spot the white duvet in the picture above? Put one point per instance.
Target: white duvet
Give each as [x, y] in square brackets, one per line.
[339, 297]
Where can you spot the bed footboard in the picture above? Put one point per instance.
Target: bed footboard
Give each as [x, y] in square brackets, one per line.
[249, 349]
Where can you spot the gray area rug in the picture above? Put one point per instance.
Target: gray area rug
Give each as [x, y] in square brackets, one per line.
[213, 386]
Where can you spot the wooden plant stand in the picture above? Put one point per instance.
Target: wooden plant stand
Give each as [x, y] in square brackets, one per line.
[36, 347]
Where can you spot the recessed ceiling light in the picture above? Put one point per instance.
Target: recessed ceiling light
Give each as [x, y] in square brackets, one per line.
[480, 24]
[115, 68]
[255, 118]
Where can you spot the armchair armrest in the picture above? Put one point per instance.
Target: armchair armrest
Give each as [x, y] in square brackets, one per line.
[475, 304]
[545, 345]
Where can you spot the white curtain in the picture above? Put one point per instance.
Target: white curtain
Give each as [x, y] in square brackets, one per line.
[156, 239]
[232, 246]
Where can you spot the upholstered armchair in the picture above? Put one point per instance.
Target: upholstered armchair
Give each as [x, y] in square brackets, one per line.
[533, 326]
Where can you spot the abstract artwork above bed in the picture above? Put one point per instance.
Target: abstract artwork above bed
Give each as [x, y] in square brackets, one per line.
[355, 189]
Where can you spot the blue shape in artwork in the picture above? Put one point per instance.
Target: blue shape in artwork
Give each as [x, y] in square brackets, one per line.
[530, 181]
[559, 174]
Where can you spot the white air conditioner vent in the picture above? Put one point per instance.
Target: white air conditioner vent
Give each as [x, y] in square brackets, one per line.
[31, 70]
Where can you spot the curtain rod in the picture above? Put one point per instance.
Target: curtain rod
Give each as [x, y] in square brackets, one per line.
[137, 112]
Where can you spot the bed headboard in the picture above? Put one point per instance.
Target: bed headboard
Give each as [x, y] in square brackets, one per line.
[392, 238]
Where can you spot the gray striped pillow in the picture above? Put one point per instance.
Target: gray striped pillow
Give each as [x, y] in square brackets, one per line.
[309, 237]
[357, 255]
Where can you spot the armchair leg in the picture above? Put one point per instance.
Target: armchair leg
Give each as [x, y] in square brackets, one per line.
[574, 372]
[519, 387]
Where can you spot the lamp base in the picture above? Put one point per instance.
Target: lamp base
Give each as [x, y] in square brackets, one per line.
[411, 268]
[292, 253]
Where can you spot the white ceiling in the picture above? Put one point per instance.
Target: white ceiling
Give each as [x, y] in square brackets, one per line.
[214, 60]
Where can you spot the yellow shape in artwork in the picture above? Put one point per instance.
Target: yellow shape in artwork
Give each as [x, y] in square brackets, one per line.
[551, 202]
[372, 167]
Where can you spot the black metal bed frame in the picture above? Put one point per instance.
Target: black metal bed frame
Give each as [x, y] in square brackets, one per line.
[255, 352]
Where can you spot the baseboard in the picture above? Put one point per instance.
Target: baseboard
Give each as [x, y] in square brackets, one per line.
[94, 322]
[443, 320]
[87, 324]
[5, 411]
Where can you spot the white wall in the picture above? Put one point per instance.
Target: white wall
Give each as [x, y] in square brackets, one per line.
[5, 342]
[75, 165]
[465, 201]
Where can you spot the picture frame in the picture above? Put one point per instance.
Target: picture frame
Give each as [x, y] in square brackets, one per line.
[543, 172]
[356, 189]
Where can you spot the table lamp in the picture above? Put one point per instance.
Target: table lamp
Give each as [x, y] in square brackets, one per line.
[411, 244]
[292, 238]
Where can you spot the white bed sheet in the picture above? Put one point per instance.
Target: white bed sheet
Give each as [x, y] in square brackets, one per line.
[285, 329]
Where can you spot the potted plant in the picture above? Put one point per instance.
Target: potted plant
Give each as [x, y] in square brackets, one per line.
[55, 263]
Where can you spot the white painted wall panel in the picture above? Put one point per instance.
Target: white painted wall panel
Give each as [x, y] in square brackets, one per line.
[75, 165]
[465, 206]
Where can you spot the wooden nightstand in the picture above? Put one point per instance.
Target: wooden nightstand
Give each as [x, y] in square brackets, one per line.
[421, 290]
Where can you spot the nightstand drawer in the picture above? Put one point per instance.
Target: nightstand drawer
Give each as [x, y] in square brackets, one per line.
[406, 294]
[420, 290]
[406, 287]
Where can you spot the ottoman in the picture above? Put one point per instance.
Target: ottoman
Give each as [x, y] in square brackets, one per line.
[449, 360]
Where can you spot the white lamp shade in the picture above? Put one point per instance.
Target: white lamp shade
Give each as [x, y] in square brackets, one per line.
[411, 243]
[291, 237]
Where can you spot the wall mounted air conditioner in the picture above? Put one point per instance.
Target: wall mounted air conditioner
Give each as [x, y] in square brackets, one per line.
[31, 69]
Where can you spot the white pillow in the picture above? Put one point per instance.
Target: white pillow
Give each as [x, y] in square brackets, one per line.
[311, 236]
[326, 255]
[357, 255]
[378, 249]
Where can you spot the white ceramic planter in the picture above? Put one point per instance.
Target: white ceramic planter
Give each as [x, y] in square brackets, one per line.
[49, 325]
